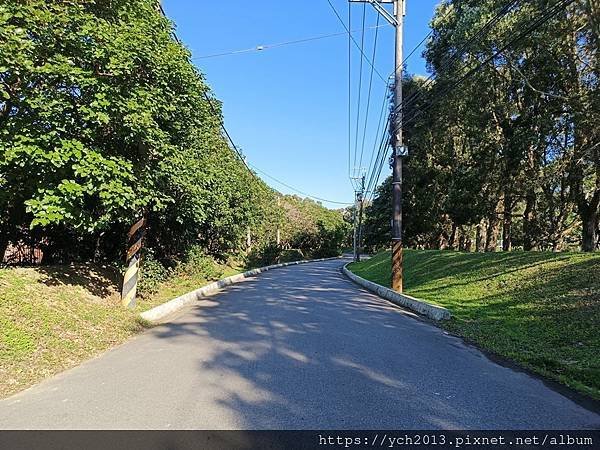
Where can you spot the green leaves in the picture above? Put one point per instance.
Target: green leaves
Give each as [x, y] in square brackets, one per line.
[103, 118]
[506, 153]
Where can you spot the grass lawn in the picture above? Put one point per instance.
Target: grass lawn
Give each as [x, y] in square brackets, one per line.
[539, 309]
[53, 318]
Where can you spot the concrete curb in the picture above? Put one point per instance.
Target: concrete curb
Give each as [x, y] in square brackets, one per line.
[427, 309]
[160, 312]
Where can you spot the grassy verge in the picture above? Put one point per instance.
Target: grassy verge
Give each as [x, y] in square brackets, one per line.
[539, 309]
[53, 318]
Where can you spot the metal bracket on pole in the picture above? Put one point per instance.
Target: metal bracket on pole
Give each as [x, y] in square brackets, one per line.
[377, 4]
[402, 150]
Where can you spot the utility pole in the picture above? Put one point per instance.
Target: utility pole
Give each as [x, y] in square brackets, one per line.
[278, 237]
[357, 219]
[400, 151]
[354, 220]
[361, 200]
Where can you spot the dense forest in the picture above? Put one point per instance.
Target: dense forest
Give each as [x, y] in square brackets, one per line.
[504, 136]
[103, 120]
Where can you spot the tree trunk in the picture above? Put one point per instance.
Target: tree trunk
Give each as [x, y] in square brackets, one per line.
[452, 243]
[478, 238]
[507, 224]
[529, 239]
[468, 244]
[589, 235]
[3, 245]
[491, 238]
[462, 239]
[442, 241]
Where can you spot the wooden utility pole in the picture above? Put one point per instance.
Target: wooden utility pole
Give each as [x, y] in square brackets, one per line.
[355, 234]
[358, 208]
[278, 234]
[361, 201]
[400, 151]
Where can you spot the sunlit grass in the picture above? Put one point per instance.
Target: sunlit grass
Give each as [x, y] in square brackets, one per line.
[539, 309]
[53, 318]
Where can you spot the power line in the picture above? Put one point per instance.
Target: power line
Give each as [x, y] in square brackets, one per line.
[349, 90]
[379, 162]
[460, 52]
[381, 152]
[297, 190]
[371, 166]
[546, 15]
[354, 41]
[369, 96]
[238, 151]
[360, 71]
[260, 48]
[210, 104]
[416, 47]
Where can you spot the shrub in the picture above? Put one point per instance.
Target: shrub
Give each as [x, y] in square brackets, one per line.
[291, 255]
[197, 263]
[152, 273]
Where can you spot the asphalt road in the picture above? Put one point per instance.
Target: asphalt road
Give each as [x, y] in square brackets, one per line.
[299, 347]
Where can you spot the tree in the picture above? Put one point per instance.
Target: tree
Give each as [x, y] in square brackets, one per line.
[103, 118]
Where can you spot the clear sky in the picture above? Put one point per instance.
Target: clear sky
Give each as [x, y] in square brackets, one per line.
[287, 107]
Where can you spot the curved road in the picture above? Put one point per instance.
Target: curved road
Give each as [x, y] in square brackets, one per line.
[302, 348]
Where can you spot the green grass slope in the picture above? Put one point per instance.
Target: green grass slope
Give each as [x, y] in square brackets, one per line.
[53, 318]
[539, 309]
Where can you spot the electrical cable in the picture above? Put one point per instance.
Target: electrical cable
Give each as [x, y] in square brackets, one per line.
[360, 71]
[369, 96]
[546, 15]
[354, 41]
[297, 190]
[260, 48]
[238, 151]
[448, 60]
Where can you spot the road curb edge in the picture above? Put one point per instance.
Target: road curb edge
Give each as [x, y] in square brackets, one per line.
[419, 306]
[164, 310]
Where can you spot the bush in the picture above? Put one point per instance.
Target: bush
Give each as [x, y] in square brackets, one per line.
[273, 254]
[197, 263]
[291, 255]
[152, 273]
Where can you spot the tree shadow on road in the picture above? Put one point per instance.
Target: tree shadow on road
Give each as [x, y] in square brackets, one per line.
[321, 353]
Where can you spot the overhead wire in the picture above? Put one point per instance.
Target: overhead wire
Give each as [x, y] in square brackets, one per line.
[236, 148]
[374, 164]
[354, 40]
[373, 167]
[376, 143]
[379, 162]
[360, 71]
[261, 48]
[546, 14]
[459, 53]
[349, 91]
[369, 96]
[314, 197]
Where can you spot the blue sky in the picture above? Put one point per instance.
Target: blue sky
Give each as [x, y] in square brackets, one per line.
[287, 107]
